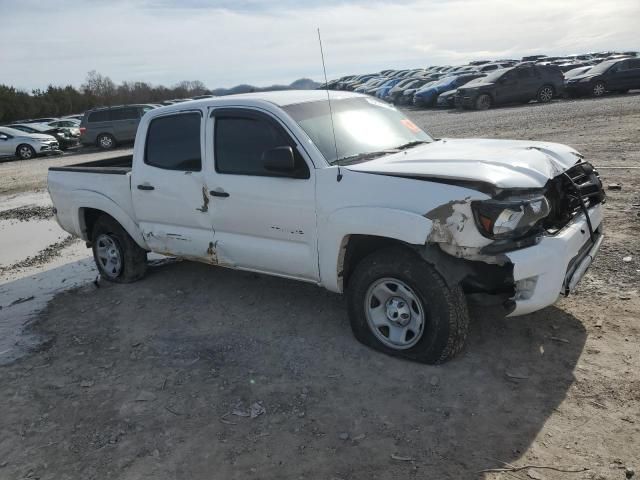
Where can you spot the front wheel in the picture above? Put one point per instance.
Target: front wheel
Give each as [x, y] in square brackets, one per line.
[599, 89]
[401, 305]
[545, 94]
[483, 102]
[118, 257]
[25, 152]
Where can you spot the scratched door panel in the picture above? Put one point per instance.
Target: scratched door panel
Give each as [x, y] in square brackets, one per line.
[266, 224]
[170, 196]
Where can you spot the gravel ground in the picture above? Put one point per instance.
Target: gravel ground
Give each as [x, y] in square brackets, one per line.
[200, 372]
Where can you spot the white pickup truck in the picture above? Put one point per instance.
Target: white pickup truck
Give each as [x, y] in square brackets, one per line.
[352, 196]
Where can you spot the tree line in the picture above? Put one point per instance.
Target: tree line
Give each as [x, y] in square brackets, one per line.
[97, 90]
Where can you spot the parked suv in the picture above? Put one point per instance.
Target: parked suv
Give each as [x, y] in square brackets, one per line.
[518, 84]
[108, 126]
[613, 76]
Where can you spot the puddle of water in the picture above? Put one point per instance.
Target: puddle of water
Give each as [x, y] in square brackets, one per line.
[19, 240]
[32, 293]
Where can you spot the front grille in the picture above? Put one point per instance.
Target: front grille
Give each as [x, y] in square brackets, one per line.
[580, 183]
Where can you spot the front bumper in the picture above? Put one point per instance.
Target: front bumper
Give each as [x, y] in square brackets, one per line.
[467, 100]
[556, 264]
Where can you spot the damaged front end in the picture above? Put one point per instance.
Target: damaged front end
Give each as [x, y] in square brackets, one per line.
[484, 244]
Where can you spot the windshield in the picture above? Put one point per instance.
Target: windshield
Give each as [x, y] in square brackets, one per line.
[601, 68]
[491, 77]
[363, 126]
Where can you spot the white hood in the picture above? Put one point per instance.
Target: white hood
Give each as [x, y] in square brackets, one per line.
[503, 163]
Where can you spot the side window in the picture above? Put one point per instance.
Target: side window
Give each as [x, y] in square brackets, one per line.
[240, 142]
[633, 64]
[173, 143]
[99, 116]
[125, 113]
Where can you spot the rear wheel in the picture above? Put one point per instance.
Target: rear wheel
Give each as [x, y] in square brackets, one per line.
[106, 141]
[118, 257]
[483, 102]
[598, 89]
[401, 305]
[25, 152]
[545, 94]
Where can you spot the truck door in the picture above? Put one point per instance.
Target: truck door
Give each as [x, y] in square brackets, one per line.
[170, 197]
[263, 220]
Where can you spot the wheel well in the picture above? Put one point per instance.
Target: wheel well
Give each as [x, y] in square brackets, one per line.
[24, 144]
[357, 247]
[88, 218]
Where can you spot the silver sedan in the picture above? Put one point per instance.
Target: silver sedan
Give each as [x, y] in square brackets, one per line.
[26, 145]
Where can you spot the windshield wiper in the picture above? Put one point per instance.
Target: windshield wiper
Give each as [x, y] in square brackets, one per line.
[411, 144]
[361, 157]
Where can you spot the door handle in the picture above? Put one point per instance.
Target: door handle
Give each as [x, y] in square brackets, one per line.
[215, 193]
[146, 187]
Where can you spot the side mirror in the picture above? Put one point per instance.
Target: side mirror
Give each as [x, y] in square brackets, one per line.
[3, 136]
[279, 159]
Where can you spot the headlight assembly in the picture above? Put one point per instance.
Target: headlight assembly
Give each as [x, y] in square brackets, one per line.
[511, 218]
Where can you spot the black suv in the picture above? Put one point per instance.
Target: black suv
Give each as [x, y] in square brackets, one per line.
[518, 84]
[610, 76]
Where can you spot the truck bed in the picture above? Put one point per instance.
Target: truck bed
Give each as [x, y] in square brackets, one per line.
[120, 165]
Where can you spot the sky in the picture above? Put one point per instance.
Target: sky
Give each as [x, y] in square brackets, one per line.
[227, 42]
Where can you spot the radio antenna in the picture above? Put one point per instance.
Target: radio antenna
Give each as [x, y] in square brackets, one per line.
[326, 87]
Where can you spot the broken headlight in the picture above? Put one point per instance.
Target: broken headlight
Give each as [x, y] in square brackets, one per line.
[511, 218]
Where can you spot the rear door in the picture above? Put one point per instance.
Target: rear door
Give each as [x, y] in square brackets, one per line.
[170, 197]
[125, 122]
[263, 221]
[629, 72]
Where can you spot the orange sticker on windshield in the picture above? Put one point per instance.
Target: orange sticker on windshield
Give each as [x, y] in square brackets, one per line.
[410, 125]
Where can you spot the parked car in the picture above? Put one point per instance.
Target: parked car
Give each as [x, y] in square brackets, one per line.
[395, 219]
[428, 94]
[67, 137]
[610, 76]
[575, 72]
[25, 145]
[407, 96]
[383, 89]
[108, 126]
[447, 99]
[77, 117]
[397, 93]
[519, 84]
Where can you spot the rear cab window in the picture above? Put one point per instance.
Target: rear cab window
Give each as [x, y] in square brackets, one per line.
[173, 142]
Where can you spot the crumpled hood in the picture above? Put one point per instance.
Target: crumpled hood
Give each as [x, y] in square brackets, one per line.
[502, 163]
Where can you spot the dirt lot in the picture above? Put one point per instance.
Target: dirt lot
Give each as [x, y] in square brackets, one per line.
[200, 372]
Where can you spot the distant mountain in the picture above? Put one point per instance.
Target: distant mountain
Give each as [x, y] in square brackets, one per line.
[300, 84]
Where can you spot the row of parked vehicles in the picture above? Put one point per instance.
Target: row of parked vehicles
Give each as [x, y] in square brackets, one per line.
[104, 127]
[483, 84]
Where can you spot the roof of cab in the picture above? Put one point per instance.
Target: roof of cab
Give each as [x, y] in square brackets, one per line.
[281, 98]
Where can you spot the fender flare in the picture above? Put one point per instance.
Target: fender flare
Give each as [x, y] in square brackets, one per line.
[99, 201]
[334, 231]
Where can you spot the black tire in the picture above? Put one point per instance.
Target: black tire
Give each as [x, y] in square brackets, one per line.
[545, 94]
[598, 89]
[106, 141]
[132, 258]
[446, 318]
[483, 102]
[25, 152]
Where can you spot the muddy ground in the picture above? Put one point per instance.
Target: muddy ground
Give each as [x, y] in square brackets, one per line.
[200, 372]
